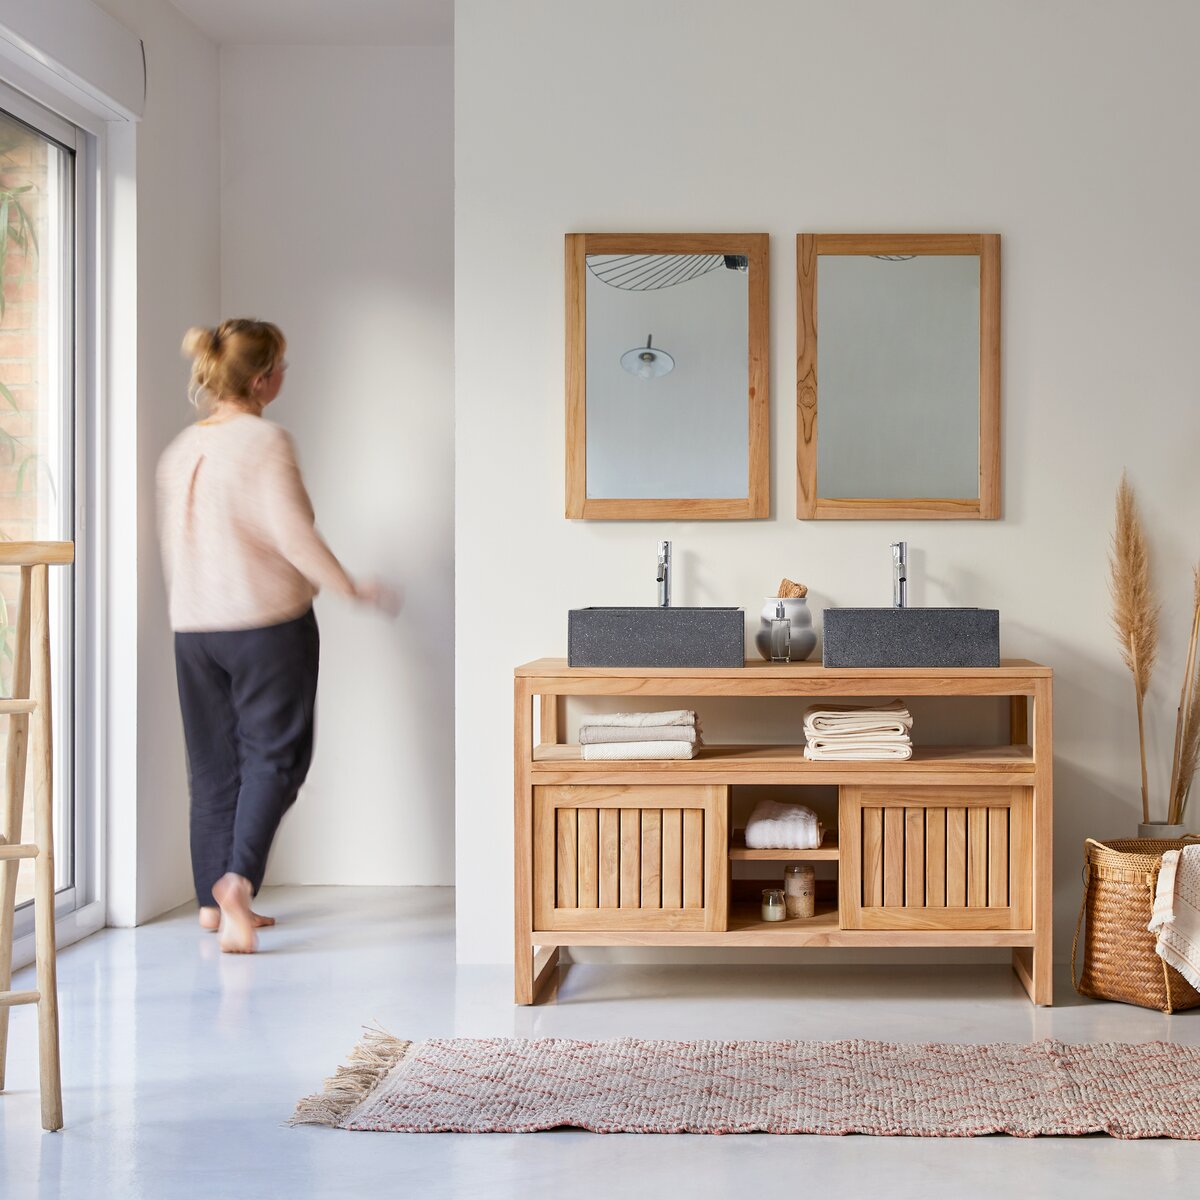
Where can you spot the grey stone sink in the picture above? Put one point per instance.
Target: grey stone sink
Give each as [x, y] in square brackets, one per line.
[656, 637]
[911, 637]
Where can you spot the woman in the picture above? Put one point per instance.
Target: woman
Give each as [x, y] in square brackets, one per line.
[243, 563]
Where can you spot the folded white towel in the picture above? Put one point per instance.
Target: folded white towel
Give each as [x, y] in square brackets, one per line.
[1176, 913]
[676, 716]
[831, 719]
[775, 826]
[625, 750]
[859, 739]
[878, 750]
[643, 733]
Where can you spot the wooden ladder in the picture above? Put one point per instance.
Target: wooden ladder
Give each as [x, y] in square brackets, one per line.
[29, 730]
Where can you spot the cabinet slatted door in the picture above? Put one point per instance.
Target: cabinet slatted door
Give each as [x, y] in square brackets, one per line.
[935, 858]
[635, 857]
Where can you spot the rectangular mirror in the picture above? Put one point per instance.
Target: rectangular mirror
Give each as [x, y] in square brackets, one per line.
[667, 398]
[898, 371]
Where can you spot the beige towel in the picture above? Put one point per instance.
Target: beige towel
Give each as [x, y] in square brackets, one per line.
[865, 750]
[627, 750]
[676, 716]
[849, 719]
[591, 734]
[1176, 913]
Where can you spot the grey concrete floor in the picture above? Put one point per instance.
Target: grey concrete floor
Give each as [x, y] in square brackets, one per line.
[181, 1066]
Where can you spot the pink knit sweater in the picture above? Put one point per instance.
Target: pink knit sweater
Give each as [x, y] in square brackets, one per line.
[238, 541]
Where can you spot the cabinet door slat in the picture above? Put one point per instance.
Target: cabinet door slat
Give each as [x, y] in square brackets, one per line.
[631, 858]
[610, 857]
[587, 873]
[956, 857]
[914, 858]
[693, 858]
[935, 857]
[997, 858]
[893, 857]
[977, 857]
[872, 857]
[672, 858]
[652, 858]
[567, 893]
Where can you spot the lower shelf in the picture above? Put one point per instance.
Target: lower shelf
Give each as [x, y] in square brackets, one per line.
[747, 928]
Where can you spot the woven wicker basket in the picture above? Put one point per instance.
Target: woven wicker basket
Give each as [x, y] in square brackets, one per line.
[1119, 962]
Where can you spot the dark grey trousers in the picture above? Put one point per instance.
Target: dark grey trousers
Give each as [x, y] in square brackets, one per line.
[247, 698]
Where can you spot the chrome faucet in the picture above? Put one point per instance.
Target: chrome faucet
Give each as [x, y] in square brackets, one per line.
[664, 574]
[899, 574]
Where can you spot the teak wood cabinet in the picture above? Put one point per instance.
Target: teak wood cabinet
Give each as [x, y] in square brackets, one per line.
[951, 848]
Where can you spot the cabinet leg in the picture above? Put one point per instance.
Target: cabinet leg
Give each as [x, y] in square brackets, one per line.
[1034, 969]
[533, 972]
[545, 971]
[523, 972]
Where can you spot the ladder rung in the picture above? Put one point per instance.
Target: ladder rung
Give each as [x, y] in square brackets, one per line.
[20, 850]
[14, 707]
[10, 999]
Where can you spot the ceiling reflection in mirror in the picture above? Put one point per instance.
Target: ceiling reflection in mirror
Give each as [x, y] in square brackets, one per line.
[667, 362]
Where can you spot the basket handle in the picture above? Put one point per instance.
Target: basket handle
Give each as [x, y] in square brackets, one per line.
[1087, 883]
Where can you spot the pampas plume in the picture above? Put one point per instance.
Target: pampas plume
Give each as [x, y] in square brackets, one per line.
[1134, 610]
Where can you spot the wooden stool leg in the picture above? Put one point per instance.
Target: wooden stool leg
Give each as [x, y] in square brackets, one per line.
[42, 750]
[14, 804]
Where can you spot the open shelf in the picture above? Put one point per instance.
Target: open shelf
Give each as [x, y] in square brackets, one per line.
[745, 917]
[826, 852]
[786, 764]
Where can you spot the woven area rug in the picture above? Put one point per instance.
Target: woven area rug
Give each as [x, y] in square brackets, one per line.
[506, 1085]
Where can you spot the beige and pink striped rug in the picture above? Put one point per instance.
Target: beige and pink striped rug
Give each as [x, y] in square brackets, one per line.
[627, 1085]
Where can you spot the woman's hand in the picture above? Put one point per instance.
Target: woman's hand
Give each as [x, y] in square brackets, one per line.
[379, 595]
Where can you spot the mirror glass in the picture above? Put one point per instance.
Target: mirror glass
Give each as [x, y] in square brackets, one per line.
[667, 361]
[898, 369]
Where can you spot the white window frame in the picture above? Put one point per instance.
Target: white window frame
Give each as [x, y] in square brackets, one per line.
[80, 908]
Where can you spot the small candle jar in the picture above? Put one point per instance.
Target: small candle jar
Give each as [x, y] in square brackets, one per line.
[800, 888]
[773, 905]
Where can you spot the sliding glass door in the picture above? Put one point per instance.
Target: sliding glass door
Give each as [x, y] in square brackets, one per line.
[38, 460]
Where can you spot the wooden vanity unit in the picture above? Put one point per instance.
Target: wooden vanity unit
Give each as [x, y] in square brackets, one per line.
[951, 848]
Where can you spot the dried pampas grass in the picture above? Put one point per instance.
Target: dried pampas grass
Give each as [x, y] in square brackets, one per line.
[1187, 719]
[1134, 610]
[1135, 615]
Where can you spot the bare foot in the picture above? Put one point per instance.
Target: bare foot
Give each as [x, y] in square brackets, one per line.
[232, 893]
[210, 919]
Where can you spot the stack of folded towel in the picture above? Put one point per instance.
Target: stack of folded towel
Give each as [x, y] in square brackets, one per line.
[1176, 913]
[850, 731]
[774, 826]
[674, 734]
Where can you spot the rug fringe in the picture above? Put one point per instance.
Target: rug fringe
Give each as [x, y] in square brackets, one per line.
[369, 1062]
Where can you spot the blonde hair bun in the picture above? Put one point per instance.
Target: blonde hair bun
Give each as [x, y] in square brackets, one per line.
[227, 360]
[198, 340]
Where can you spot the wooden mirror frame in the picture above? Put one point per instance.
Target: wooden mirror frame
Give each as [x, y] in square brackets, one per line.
[757, 502]
[809, 504]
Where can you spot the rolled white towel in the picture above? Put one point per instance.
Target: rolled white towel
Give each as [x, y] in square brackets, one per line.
[676, 716]
[865, 751]
[893, 717]
[775, 826]
[626, 750]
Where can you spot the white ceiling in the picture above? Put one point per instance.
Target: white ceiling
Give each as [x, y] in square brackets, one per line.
[323, 22]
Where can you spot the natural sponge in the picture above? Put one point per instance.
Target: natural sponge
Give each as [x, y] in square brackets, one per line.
[791, 591]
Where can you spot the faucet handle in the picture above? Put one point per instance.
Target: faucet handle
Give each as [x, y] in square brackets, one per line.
[664, 550]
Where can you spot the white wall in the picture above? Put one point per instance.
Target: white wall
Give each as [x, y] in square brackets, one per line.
[1064, 126]
[336, 223]
[176, 155]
